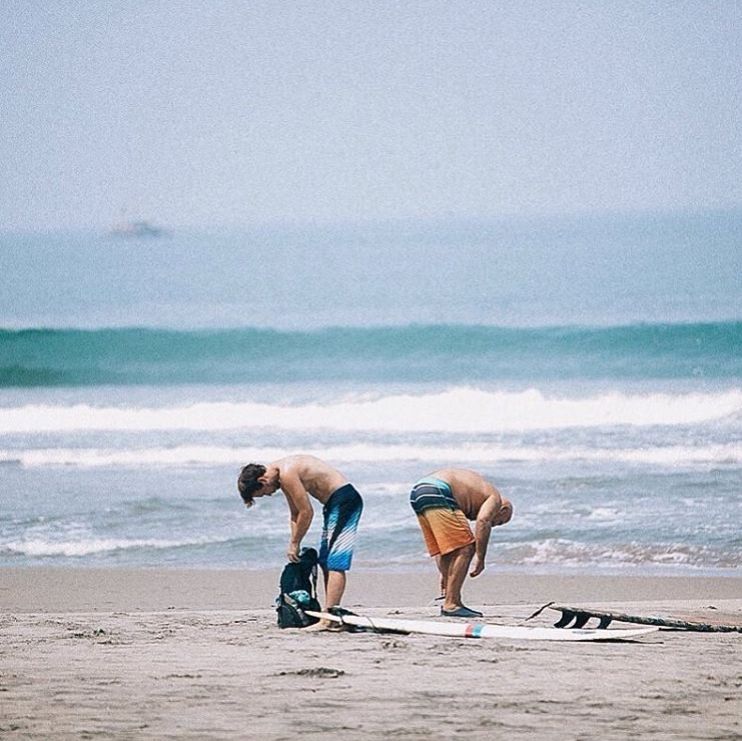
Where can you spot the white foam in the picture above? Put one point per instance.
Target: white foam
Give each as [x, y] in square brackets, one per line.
[570, 553]
[607, 515]
[79, 548]
[459, 409]
[729, 454]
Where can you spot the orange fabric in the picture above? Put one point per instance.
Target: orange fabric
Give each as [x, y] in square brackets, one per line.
[444, 530]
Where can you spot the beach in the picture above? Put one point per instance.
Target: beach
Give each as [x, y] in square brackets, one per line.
[196, 653]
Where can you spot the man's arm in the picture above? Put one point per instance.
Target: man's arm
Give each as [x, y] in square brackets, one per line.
[482, 530]
[301, 511]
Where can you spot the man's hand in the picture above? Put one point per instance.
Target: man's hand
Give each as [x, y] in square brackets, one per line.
[478, 567]
[292, 552]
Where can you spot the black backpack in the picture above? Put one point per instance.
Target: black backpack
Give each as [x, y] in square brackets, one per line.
[298, 591]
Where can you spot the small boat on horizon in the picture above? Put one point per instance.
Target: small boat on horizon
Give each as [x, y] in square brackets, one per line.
[136, 229]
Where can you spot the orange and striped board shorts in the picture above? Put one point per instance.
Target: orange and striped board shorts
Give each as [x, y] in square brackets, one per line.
[444, 526]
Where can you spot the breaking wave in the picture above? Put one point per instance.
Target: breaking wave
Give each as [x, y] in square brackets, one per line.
[460, 409]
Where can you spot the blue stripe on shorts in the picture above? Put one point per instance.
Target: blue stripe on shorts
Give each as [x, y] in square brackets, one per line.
[432, 493]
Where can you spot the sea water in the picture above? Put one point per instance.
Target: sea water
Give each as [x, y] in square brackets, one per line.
[590, 367]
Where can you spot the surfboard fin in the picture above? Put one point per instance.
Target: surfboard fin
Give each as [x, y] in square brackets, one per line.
[567, 617]
[580, 619]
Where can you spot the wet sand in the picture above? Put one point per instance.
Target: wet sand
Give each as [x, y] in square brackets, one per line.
[155, 654]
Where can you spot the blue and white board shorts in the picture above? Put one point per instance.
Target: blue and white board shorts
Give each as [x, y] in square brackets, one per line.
[341, 515]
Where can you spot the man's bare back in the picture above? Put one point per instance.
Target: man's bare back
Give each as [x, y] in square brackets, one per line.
[469, 488]
[316, 477]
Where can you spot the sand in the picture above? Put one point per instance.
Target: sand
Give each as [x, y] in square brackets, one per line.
[157, 654]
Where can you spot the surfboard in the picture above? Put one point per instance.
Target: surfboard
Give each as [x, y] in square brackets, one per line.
[480, 630]
[707, 621]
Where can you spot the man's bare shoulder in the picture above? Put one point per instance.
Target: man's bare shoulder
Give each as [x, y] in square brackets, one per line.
[304, 465]
[312, 474]
[460, 477]
[299, 461]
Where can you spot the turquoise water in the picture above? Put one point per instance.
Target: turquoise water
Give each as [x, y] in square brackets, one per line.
[39, 358]
[590, 367]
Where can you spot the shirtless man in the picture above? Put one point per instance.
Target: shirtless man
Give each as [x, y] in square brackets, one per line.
[300, 476]
[443, 502]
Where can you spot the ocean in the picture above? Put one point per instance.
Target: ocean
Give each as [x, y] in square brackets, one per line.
[589, 366]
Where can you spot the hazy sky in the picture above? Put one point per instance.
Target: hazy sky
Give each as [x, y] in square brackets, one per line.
[218, 112]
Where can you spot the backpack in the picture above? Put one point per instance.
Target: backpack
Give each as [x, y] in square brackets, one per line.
[298, 591]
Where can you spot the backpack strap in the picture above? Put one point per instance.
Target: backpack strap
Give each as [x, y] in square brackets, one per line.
[308, 557]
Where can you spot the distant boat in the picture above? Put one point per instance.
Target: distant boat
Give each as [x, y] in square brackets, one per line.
[136, 229]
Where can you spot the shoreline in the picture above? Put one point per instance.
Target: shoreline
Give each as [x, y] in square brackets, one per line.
[60, 589]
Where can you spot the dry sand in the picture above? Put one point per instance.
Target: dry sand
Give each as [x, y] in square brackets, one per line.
[157, 654]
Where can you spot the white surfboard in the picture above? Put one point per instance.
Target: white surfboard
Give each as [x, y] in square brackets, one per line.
[482, 630]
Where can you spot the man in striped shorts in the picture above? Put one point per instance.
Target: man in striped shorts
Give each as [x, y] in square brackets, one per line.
[444, 502]
[300, 476]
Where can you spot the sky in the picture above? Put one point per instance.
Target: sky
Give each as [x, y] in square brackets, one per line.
[230, 113]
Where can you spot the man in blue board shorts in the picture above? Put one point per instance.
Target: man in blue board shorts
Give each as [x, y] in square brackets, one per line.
[445, 502]
[299, 477]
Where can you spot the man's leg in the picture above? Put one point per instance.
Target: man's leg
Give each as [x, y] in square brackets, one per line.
[442, 564]
[442, 582]
[334, 588]
[336, 550]
[454, 568]
[341, 525]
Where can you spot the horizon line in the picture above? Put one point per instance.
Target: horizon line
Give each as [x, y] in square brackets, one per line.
[460, 220]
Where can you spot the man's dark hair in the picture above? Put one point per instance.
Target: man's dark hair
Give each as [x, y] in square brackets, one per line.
[247, 481]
